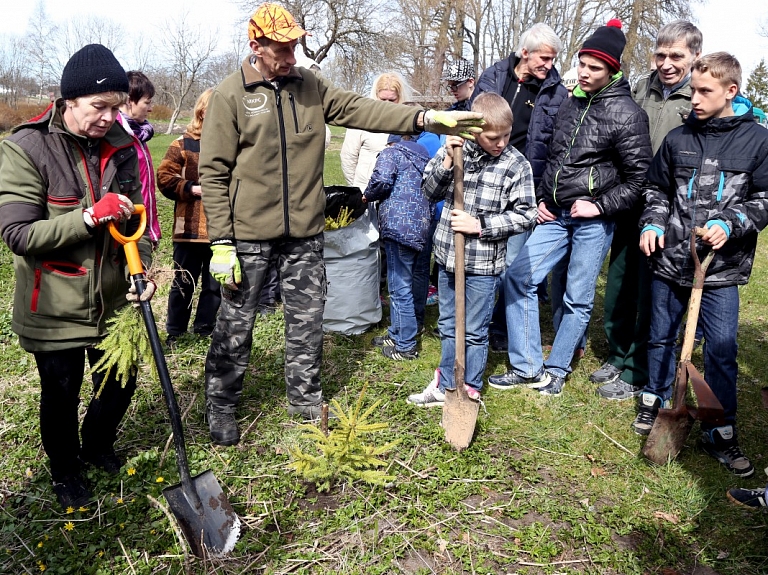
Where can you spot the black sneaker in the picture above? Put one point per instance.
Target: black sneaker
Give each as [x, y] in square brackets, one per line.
[619, 390]
[650, 403]
[223, 427]
[606, 373]
[109, 461]
[390, 352]
[750, 498]
[71, 491]
[383, 341]
[721, 443]
[511, 380]
[554, 387]
[498, 343]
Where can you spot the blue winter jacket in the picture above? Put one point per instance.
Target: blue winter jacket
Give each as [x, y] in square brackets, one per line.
[404, 213]
[551, 94]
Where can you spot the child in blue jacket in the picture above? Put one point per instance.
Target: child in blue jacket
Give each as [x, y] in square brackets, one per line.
[404, 220]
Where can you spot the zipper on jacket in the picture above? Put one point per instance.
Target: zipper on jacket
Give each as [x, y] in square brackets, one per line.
[591, 181]
[568, 151]
[36, 290]
[293, 111]
[720, 187]
[517, 91]
[690, 184]
[284, 159]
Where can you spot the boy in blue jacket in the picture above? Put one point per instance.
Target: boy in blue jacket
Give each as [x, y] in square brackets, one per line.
[711, 172]
[499, 201]
[404, 219]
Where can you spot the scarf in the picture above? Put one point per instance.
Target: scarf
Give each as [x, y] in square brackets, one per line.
[143, 132]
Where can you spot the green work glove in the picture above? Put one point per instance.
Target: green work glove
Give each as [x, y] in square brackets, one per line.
[225, 267]
[464, 124]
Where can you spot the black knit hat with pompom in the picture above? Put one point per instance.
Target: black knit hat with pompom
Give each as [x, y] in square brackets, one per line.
[607, 43]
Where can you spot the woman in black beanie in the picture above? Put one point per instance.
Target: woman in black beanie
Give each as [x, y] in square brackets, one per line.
[63, 176]
[596, 163]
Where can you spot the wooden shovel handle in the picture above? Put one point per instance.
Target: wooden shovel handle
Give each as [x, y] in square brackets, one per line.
[700, 270]
[459, 365]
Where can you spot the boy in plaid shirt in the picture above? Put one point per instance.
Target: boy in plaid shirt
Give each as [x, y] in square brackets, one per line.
[499, 201]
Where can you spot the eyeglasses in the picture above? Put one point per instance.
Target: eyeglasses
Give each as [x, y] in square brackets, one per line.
[452, 86]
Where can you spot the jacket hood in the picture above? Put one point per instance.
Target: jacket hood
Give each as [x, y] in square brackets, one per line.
[415, 152]
[742, 109]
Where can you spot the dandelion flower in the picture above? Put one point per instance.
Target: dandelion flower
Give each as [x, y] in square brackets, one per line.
[82, 509]
[159, 479]
[69, 526]
[131, 471]
[101, 553]
[122, 526]
[70, 509]
[120, 500]
[42, 566]
[40, 544]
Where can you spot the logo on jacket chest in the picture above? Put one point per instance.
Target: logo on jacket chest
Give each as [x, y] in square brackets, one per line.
[255, 104]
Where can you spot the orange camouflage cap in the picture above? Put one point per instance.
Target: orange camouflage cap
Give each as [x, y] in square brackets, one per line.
[274, 22]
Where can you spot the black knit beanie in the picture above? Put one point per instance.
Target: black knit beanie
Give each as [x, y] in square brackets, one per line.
[93, 69]
[607, 43]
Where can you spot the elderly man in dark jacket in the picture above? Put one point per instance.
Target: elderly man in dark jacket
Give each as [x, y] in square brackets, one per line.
[597, 161]
[529, 81]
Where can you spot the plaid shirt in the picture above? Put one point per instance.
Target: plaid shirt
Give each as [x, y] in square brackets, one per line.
[497, 190]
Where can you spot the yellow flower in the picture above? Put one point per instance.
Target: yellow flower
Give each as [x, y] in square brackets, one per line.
[82, 509]
[42, 566]
[40, 544]
[70, 509]
[101, 553]
[122, 526]
[69, 526]
[131, 471]
[159, 479]
[120, 500]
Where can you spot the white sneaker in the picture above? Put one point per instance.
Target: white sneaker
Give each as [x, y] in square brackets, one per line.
[431, 396]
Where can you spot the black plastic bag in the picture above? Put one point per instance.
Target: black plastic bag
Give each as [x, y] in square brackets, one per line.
[338, 197]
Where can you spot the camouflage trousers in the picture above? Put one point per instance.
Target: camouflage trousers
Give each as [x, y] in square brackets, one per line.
[302, 284]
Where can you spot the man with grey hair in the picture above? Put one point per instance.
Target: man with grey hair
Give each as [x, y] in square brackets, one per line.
[529, 81]
[665, 95]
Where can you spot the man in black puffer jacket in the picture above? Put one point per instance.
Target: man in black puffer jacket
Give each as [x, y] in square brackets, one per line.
[597, 161]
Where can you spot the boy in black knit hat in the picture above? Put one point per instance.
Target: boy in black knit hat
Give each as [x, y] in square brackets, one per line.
[63, 176]
[597, 160]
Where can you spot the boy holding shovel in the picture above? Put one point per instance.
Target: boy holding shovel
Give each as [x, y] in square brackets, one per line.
[499, 201]
[711, 172]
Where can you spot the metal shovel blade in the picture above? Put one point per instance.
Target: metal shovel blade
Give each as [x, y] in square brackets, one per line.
[459, 418]
[214, 528]
[672, 426]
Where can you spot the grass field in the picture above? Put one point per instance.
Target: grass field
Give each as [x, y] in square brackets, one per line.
[550, 485]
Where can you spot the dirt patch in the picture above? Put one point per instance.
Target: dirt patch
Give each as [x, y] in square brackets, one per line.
[314, 500]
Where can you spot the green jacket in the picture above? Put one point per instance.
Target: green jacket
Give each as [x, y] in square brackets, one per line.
[664, 115]
[69, 281]
[262, 151]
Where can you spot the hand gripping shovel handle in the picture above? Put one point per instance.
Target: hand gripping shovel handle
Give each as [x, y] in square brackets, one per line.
[136, 269]
[459, 365]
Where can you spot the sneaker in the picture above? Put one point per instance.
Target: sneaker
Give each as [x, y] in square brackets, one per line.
[432, 295]
[510, 380]
[109, 461]
[71, 491]
[383, 341]
[750, 498]
[310, 412]
[431, 396]
[472, 393]
[554, 387]
[607, 373]
[721, 443]
[619, 390]
[650, 403]
[390, 352]
[223, 427]
[498, 343]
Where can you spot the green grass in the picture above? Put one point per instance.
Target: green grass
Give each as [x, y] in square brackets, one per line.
[550, 485]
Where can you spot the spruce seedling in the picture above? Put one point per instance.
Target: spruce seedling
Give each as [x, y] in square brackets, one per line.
[343, 454]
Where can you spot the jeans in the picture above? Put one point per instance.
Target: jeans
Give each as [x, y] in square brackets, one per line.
[421, 277]
[479, 295]
[191, 261]
[557, 293]
[401, 267]
[588, 241]
[61, 376]
[719, 318]
[499, 318]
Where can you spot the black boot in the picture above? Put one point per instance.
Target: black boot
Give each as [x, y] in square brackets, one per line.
[223, 427]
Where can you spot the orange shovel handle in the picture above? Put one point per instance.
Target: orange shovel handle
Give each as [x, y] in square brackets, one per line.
[129, 242]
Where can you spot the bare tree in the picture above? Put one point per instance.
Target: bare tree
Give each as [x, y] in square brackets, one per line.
[78, 32]
[44, 68]
[186, 48]
[14, 64]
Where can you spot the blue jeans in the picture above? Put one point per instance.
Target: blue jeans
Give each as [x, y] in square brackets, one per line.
[401, 264]
[480, 292]
[421, 277]
[499, 318]
[719, 319]
[588, 241]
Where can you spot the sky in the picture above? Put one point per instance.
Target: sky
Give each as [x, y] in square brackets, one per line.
[729, 25]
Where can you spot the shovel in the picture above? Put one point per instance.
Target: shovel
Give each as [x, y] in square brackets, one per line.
[459, 411]
[209, 524]
[672, 426]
